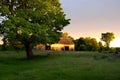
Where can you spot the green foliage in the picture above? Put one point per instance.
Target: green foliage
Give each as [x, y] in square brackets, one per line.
[66, 35]
[107, 38]
[86, 44]
[101, 47]
[36, 18]
[32, 21]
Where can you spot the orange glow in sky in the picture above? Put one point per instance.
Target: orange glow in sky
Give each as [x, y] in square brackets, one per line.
[90, 18]
[115, 43]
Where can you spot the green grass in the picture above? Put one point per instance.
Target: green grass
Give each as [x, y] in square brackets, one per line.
[57, 66]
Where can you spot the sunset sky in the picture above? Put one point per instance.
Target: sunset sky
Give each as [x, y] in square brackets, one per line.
[90, 18]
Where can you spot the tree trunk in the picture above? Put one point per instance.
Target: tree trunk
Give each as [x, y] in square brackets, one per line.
[11, 7]
[108, 45]
[29, 52]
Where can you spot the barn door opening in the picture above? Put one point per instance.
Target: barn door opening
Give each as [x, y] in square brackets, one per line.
[48, 47]
[66, 48]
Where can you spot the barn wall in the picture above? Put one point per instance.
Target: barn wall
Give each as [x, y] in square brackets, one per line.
[56, 47]
[61, 47]
[40, 47]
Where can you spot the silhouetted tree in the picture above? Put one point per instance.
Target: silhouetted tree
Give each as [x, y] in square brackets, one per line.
[107, 38]
[101, 47]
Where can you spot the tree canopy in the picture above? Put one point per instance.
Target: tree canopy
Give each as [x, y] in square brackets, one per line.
[32, 21]
[66, 35]
[107, 38]
[86, 44]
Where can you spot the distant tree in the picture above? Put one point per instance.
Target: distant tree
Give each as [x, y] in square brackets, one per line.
[91, 44]
[66, 35]
[107, 38]
[31, 21]
[86, 44]
[101, 47]
[80, 44]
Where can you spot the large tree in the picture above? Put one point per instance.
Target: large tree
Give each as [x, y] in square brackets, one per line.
[31, 21]
[107, 38]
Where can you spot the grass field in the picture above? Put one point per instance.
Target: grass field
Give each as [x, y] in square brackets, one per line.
[57, 66]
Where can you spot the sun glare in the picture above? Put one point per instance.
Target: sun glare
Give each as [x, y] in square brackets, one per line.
[115, 43]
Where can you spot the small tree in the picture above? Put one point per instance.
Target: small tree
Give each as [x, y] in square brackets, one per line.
[32, 21]
[101, 47]
[107, 38]
[66, 35]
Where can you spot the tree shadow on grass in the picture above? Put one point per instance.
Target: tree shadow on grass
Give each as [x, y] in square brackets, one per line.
[35, 57]
[14, 59]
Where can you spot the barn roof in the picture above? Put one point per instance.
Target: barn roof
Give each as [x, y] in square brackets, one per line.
[66, 41]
